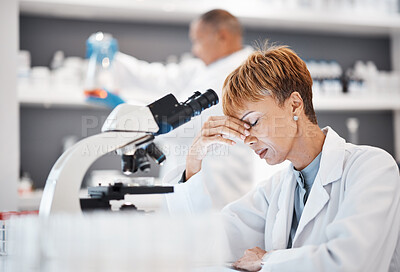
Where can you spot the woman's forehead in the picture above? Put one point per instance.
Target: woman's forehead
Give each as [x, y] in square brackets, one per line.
[248, 108]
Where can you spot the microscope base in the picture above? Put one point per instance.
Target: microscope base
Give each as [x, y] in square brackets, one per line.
[100, 196]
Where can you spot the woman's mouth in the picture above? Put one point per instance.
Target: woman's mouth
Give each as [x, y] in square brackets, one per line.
[262, 152]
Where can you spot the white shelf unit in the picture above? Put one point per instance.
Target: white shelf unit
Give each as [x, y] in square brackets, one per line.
[355, 103]
[252, 13]
[64, 97]
[74, 97]
[70, 98]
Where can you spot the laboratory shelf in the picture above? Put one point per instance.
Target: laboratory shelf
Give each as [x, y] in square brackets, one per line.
[253, 13]
[30, 201]
[357, 103]
[74, 98]
[63, 97]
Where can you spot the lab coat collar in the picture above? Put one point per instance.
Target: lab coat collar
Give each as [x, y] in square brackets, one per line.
[283, 218]
[315, 203]
[332, 159]
[330, 170]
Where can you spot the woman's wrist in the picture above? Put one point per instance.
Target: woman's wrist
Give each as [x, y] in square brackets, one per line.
[193, 166]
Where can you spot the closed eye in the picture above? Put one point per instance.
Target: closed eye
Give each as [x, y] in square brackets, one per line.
[255, 123]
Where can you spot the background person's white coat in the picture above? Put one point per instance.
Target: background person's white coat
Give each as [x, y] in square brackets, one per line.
[351, 221]
[227, 172]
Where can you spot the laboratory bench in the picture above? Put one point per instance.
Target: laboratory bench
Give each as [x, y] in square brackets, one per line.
[4, 259]
[148, 203]
[114, 242]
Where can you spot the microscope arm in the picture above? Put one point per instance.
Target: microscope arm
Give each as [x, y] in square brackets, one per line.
[127, 127]
[61, 193]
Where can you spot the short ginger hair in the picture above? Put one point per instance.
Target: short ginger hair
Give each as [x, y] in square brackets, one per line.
[276, 71]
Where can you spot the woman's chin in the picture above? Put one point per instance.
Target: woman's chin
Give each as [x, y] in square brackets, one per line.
[273, 160]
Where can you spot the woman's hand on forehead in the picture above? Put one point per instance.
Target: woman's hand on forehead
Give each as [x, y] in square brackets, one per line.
[226, 126]
[216, 130]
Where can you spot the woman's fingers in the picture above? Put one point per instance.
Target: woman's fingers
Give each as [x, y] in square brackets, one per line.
[227, 120]
[220, 128]
[228, 126]
[220, 139]
[224, 131]
[251, 260]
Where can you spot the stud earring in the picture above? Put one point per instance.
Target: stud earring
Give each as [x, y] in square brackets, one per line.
[295, 118]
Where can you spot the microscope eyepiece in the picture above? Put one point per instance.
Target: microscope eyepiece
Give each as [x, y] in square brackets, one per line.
[202, 101]
[169, 114]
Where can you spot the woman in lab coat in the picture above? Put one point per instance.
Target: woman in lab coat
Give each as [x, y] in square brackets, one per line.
[336, 207]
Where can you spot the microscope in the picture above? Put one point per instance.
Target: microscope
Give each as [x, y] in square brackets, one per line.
[129, 131]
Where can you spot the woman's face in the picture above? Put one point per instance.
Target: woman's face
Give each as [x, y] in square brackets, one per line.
[273, 129]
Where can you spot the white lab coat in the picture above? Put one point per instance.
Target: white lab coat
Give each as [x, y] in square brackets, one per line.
[144, 81]
[150, 81]
[351, 220]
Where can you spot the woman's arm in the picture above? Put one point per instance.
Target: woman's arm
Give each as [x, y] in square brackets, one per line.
[193, 196]
[216, 130]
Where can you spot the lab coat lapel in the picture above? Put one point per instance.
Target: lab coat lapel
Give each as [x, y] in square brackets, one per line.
[283, 218]
[315, 203]
[330, 170]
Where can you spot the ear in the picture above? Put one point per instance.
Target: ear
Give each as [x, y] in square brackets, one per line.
[296, 104]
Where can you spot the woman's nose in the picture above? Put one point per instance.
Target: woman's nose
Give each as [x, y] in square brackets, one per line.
[250, 140]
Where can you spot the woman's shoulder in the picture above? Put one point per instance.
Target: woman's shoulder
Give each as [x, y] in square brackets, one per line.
[364, 154]
[363, 162]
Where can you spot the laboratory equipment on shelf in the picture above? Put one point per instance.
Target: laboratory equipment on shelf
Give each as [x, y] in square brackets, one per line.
[327, 77]
[24, 65]
[365, 79]
[100, 50]
[127, 129]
